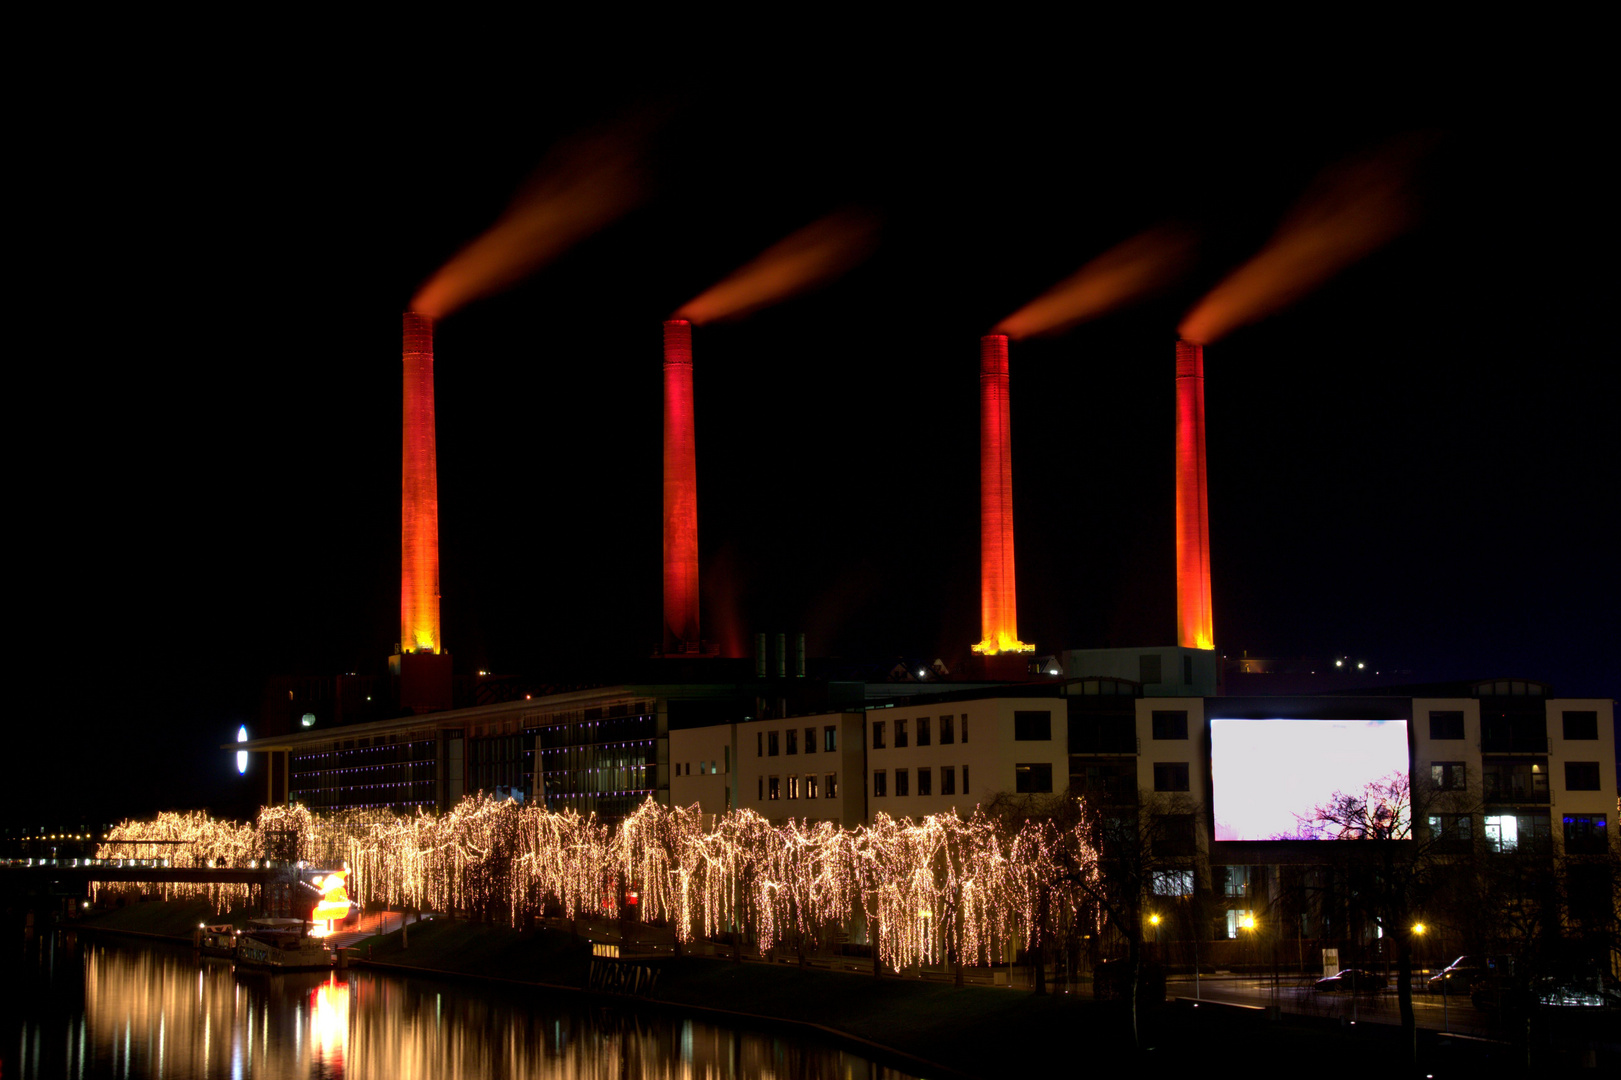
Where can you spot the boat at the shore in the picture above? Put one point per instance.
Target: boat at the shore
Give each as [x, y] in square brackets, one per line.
[217, 940]
[280, 945]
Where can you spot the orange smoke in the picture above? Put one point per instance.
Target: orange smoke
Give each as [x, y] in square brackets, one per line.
[1127, 272]
[1349, 213]
[581, 188]
[817, 253]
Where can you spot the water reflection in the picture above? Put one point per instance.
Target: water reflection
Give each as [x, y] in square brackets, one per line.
[109, 1009]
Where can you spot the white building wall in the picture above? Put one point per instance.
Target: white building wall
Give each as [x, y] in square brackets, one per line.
[1429, 751]
[1192, 751]
[986, 763]
[758, 767]
[701, 766]
[1563, 751]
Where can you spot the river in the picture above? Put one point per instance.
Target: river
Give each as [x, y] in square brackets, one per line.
[106, 1007]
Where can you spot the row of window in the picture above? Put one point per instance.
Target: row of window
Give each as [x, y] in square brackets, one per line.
[767, 743]
[925, 781]
[773, 787]
[950, 730]
[1514, 780]
[705, 768]
[1584, 833]
[1579, 724]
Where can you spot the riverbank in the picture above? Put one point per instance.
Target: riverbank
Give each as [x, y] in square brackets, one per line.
[172, 920]
[929, 1028]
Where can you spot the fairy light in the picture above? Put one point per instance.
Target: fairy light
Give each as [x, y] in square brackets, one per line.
[929, 890]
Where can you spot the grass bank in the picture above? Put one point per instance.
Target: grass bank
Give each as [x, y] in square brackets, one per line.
[175, 919]
[972, 1031]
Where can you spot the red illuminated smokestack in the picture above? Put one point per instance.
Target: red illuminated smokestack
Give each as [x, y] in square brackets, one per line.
[419, 496]
[1194, 625]
[997, 587]
[680, 493]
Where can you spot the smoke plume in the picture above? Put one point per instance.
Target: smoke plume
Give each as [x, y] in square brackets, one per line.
[815, 254]
[581, 187]
[1125, 273]
[1350, 212]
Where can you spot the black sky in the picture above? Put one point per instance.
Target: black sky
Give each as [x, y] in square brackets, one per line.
[1416, 464]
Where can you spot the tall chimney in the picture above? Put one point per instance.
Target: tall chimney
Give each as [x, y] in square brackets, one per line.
[680, 493]
[997, 586]
[419, 496]
[1194, 624]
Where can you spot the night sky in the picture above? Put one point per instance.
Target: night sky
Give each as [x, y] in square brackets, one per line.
[1416, 464]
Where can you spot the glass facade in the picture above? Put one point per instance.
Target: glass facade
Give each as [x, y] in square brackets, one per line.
[602, 760]
[396, 772]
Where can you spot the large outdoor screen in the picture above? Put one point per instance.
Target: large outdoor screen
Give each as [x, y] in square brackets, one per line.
[1271, 776]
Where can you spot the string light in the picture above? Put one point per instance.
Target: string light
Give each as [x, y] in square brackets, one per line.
[928, 890]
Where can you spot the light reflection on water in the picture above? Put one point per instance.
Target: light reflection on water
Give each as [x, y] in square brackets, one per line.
[106, 1008]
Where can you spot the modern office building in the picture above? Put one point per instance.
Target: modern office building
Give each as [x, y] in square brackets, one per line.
[1237, 780]
[603, 751]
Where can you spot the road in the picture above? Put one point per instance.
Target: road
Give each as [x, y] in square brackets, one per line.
[1379, 1007]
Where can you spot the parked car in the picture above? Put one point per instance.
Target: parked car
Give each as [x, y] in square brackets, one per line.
[1350, 979]
[1585, 991]
[1460, 976]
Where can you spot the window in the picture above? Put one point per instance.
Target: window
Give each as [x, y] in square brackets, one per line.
[965, 736]
[925, 781]
[1148, 668]
[1446, 725]
[762, 787]
[1174, 834]
[948, 780]
[1506, 832]
[1448, 776]
[1581, 776]
[877, 734]
[830, 739]
[903, 784]
[965, 775]
[1521, 781]
[832, 787]
[1581, 725]
[1585, 834]
[1172, 882]
[1031, 778]
[810, 740]
[771, 744]
[1451, 828]
[793, 740]
[1033, 726]
[1170, 723]
[1187, 670]
[880, 784]
[759, 744]
[922, 733]
[810, 785]
[773, 788]
[1171, 776]
[945, 731]
[900, 740]
[728, 758]
[793, 786]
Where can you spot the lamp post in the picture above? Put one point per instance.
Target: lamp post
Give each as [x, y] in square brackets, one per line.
[1246, 921]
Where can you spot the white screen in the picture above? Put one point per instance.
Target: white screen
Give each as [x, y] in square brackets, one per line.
[1269, 776]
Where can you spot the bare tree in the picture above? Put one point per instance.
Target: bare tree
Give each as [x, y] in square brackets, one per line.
[1401, 844]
